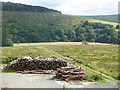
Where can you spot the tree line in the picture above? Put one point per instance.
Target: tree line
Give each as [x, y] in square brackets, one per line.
[86, 31]
[8, 6]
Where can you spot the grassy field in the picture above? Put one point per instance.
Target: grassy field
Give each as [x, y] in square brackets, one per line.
[109, 18]
[100, 57]
[103, 22]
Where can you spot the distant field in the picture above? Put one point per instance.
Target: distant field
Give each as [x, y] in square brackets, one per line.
[103, 22]
[101, 57]
[109, 18]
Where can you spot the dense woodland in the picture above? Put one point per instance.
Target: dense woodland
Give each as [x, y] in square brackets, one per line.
[21, 7]
[51, 28]
[90, 32]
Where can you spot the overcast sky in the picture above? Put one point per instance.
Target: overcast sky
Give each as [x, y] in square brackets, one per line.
[76, 7]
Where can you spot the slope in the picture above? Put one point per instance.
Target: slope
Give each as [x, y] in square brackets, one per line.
[40, 18]
[27, 14]
[31, 24]
[109, 18]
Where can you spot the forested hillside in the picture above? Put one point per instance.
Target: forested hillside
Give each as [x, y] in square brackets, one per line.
[29, 24]
[110, 18]
[21, 7]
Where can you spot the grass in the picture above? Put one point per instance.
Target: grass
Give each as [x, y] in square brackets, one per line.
[8, 72]
[100, 57]
[109, 18]
[103, 58]
[103, 22]
[93, 77]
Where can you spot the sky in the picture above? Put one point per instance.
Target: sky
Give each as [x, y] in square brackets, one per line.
[76, 7]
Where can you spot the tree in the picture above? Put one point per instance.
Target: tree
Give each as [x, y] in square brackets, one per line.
[6, 41]
[56, 38]
[71, 35]
[65, 38]
[118, 27]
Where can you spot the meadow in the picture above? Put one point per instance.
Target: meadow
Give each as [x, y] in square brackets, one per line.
[109, 18]
[103, 22]
[97, 56]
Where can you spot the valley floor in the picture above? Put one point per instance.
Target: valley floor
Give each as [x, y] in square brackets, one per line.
[97, 56]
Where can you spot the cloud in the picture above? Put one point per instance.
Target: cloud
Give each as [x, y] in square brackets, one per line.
[89, 7]
[76, 7]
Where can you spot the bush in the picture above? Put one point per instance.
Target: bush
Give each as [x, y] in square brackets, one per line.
[80, 61]
[53, 56]
[97, 77]
[118, 77]
[84, 43]
[9, 59]
[88, 65]
[7, 42]
[94, 77]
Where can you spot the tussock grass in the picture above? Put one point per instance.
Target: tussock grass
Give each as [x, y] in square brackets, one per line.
[100, 57]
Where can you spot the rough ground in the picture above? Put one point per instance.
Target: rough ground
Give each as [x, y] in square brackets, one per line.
[10, 80]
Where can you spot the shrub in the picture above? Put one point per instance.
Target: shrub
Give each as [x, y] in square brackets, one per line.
[94, 77]
[118, 77]
[80, 61]
[9, 59]
[97, 77]
[88, 65]
[84, 43]
[53, 56]
[7, 42]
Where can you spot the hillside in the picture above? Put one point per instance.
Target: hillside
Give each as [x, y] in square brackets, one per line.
[21, 7]
[110, 18]
[40, 18]
[27, 14]
[31, 24]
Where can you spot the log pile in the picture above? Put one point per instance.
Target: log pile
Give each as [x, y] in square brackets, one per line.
[70, 73]
[39, 63]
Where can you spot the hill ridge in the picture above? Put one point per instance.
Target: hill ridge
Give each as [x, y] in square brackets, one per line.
[8, 6]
